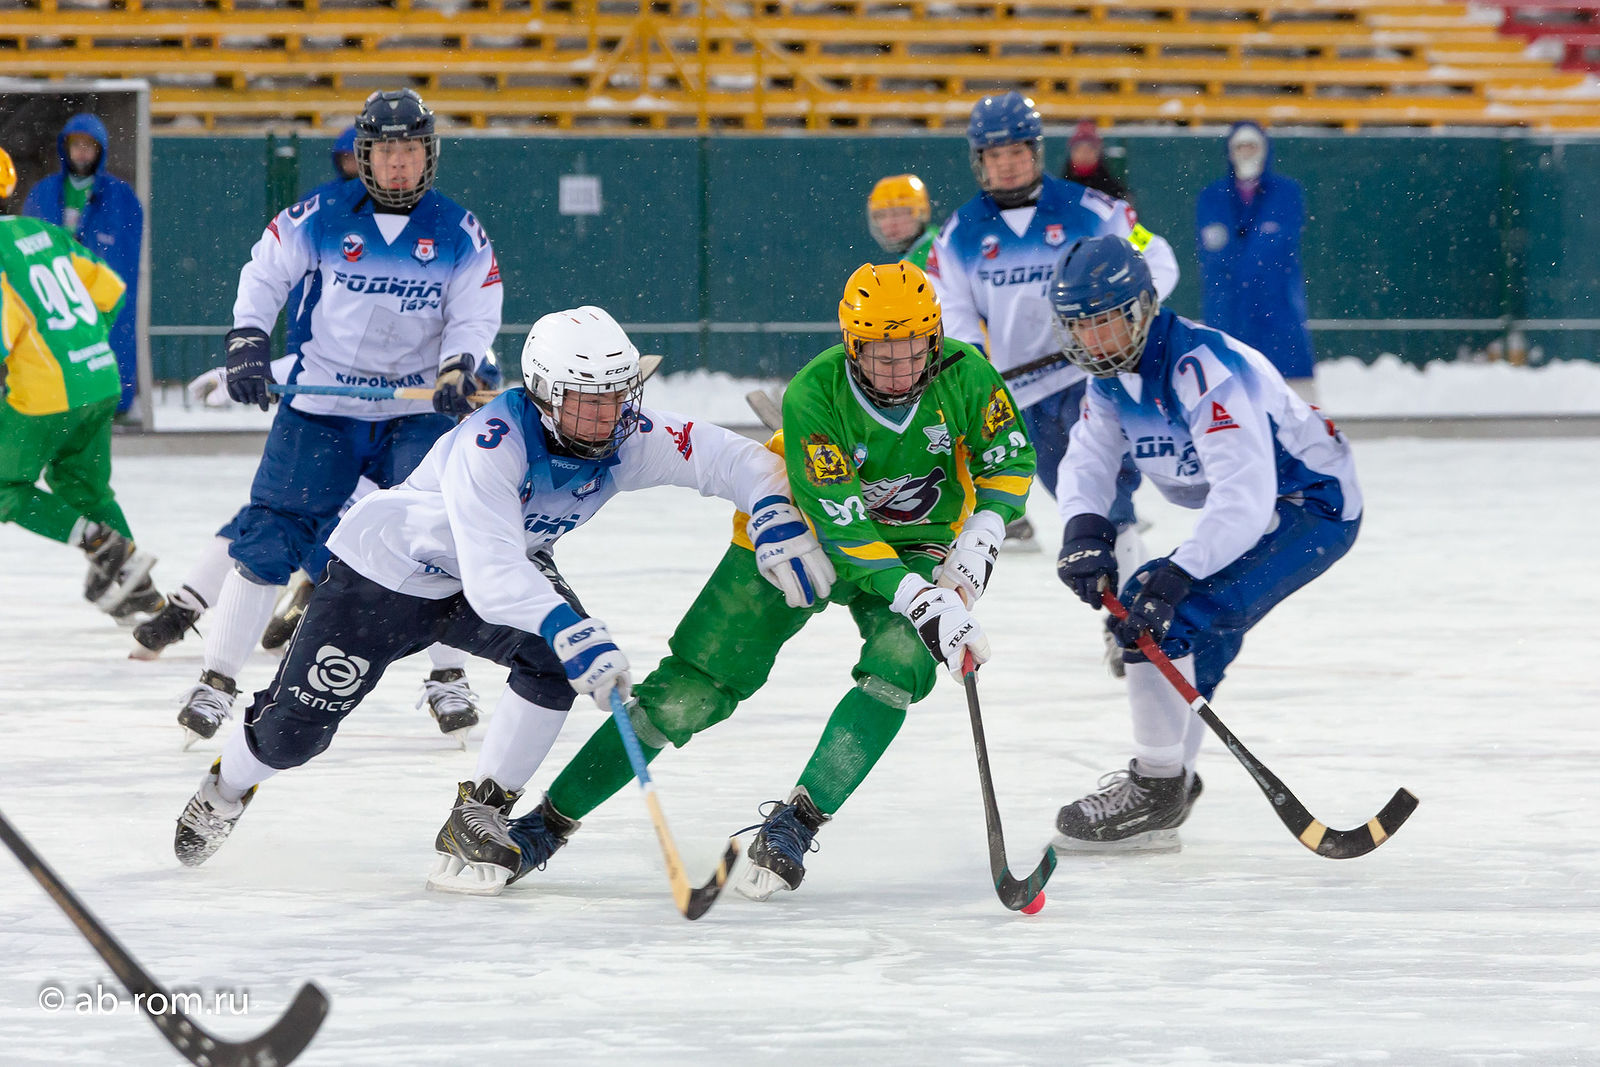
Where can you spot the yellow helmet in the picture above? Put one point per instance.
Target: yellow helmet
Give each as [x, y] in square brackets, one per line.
[891, 302]
[898, 192]
[8, 175]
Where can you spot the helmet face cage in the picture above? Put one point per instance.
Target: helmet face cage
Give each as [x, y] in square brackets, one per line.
[1005, 120]
[1107, 343]
[926, 345]
[892, 302]
[1018, 195]
[585, 437]
[900, 193]
[396, 116]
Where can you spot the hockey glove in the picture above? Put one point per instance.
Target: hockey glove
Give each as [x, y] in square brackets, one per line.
[453, 389]
[1088, 553]
[787, 554]
[970, 564]
[946, 627]
[210, 389]
[593, 663]
[1164, 585]
[249, 366]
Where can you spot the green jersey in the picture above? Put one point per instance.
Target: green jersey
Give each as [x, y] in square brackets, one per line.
[918, 253]
[57, 303]
[875, 483]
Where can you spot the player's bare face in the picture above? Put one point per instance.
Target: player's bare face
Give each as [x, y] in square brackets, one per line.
[398, 165]
[590, 417]
[1106, 335]
[1010, 166]
[893, 367]
[896, 223]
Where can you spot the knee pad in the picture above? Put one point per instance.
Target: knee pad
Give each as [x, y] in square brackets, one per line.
[678, 701]
[885, 692]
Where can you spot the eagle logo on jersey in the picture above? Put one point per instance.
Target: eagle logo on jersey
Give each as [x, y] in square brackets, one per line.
[1055, 234]
[990, 247]
[906, 500]
[825, 462]
[424, 251]
[352, 247]
[998, 414]
[938, 439]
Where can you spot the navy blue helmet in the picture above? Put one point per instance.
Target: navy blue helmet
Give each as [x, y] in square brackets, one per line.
[396, 115]
[1103, 300]
[1003, 120]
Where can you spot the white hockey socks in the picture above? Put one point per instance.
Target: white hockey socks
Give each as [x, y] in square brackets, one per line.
[241, 771]
[445, 658]
[1161, 718]
[205, 578]
[241, 613]
[519, 737]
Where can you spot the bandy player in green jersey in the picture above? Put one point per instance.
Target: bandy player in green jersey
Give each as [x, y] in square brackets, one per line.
[906, 456]
[57, 303]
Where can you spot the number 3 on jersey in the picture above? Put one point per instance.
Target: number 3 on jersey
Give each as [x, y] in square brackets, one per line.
[844, 512]
[497, 429]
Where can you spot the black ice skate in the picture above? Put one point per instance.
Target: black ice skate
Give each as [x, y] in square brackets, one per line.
[205, 706]
[1128, 813]
[451, 702]
[1019, 537]
[207, 820]
[143, 602]
[284, 622]
[166, 628]
[116, 567]
[539, 835]
[475, 852]
[778, 853]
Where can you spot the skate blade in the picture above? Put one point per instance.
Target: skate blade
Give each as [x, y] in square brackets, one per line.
[190, 737]
[758, 884]
[145, 655]
[452, 874]
[1019, 545]
[1150, 841]
[460, 736]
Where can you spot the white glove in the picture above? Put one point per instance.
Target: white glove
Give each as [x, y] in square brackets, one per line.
[787, 553]
[972, 556]
[593, 662]
[946, 627]
[210, 389]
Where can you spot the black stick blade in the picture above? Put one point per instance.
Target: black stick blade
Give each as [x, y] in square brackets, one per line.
[1017, 895]
[1348, 844]
[277, 1046]
[700, 900]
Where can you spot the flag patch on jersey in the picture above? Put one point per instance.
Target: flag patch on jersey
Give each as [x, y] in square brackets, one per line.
[352, 246]
[494, 272]
[998, 414]
[685, 446]
[825, 462]
[990, 247]
[424, 251]
[1220, 419]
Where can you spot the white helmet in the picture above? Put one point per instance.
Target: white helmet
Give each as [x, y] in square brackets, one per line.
[576, 352]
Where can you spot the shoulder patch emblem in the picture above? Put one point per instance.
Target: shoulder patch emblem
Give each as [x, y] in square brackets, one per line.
[998, 414]
[825, 461]
[424, 251]
[1220, 419]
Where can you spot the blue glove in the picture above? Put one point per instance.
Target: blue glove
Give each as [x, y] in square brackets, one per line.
[787, 554]
[1088, 553]
[1151, 610]
[593, 663]
[249, 366]
[452, 391]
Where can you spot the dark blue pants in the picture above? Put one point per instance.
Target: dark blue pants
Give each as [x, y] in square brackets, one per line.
[1049, 423]
[1212, 620]
[309, 468]
[353, 629]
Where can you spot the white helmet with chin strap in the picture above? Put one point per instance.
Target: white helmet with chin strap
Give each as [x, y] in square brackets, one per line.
[582, 351]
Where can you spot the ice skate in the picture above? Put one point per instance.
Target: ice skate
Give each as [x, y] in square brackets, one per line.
[539, 835]
[205, 706]
[207, 820]
[1019, 537]
[141, 604]
[284, 622]
[778, 853]
[116, 567]
[167, 627]
[474, 850]
[451, 702]
[1128, 813]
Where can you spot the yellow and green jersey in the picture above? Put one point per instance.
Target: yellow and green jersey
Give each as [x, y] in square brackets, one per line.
[57, 303]
[877, 482]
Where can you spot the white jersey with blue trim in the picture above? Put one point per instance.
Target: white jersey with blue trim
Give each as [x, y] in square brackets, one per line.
[489, 494]
[1212, 425]
[398, 293]
[992, 269]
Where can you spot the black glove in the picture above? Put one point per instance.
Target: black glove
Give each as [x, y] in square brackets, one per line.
[249, 366]
[452, 391]
[1164, 585]
[1088, 553]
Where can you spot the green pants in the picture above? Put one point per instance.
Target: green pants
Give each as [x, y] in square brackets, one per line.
[722, 653]
[72, 450]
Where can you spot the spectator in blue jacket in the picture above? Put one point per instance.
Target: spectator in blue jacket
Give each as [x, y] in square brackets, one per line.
[1248, 228]
[103, 212]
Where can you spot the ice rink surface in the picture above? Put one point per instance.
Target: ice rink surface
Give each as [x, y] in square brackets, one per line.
[1447, 653]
